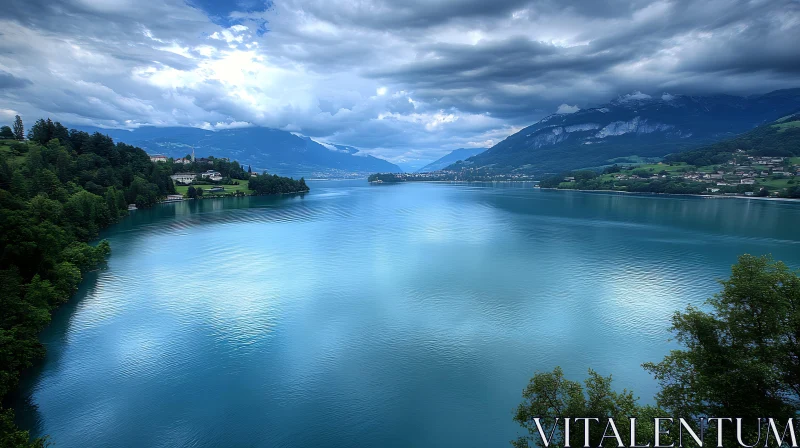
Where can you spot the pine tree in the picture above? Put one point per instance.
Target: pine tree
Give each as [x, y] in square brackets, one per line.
[19, 129]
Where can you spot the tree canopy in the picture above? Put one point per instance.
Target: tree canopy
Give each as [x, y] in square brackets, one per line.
[739, 358]
[550, 396]
[19, 129]
[274, 184]
[742, 356]
[56, 193]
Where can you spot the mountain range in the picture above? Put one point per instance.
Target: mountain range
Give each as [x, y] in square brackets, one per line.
[273, 150]
[631, 128]
[451, 158]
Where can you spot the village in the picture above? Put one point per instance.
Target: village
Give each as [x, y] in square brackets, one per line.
[743, 174]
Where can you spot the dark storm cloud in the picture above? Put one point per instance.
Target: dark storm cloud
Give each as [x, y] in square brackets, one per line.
[499, 77]
[709, 39]
[383, 14]
[9, 81]
[401, 79]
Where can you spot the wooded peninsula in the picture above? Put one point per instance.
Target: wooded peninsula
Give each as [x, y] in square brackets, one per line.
[58, 189]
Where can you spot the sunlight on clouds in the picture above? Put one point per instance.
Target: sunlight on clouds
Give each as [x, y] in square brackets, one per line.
[177, 49]
[220, 125]
[246, 76]
[228, 36]
[313, 26]
[431, 122]
[7, 113]
[439, 119]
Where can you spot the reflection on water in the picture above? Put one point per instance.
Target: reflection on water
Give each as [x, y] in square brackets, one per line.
[393, 315]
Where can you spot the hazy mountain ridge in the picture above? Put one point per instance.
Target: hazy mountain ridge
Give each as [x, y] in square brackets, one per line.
[268, 149]
[631, 125]
[450, 158]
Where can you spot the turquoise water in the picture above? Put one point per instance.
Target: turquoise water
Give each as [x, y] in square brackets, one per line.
[380, 316]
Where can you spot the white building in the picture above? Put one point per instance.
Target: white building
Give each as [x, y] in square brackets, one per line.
[158, 158]
[747, 181]
[183, 160]
[183, 178]
[212, 175]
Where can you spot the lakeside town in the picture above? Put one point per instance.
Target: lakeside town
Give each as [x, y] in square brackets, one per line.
[747, 171]
[741, 175]
[465, 175]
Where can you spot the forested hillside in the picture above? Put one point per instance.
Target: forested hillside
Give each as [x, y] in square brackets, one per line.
[57, 191]
[779, 139]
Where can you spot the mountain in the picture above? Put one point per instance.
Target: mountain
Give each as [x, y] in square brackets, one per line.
[630, 128]
[451, 158]
[276, 151]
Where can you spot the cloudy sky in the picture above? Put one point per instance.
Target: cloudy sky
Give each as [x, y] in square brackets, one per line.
[404, 80]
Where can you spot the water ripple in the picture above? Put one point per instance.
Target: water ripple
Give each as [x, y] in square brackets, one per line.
[395, 315]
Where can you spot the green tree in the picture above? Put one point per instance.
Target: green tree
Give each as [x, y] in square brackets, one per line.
[191, 192]
[6, 133]
[11, 437]
[19, 129]
[550, 396]
[42, 131]
[742, 357]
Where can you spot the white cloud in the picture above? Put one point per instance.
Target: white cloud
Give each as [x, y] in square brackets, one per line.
[567, 109]
[225, 125]
[635, 96]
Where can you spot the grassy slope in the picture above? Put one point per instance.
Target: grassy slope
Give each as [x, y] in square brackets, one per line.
[243, 186]
[6, 152]
[784, 126]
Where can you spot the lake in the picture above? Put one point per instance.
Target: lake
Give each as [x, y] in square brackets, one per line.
[376, 316]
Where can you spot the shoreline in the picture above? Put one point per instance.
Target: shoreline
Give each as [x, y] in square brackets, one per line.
[704, 196]
[229, 196]
[451, 182]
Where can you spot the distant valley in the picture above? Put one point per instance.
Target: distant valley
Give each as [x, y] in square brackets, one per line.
[451, 158]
